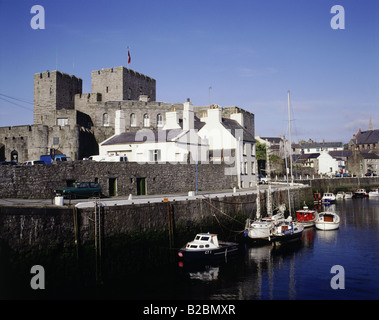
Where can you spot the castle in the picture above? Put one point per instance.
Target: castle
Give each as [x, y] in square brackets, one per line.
[71, 122]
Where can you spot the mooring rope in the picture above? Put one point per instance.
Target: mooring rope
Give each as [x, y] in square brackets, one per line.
[218, 221]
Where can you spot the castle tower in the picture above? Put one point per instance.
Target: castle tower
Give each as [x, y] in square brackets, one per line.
[53, 91]
[120, 83]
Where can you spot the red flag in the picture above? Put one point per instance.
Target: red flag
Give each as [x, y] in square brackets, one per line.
[129, 57]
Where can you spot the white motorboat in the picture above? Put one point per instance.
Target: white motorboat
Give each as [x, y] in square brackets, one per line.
[348, 195]
[328, 198]
[340, 195]
[206, 245]
[374, 193]
[327, 221]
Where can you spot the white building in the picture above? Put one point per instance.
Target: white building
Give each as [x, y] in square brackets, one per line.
[209, 139]
[315, 147]
[328, 165]
[229, 141]
[172, 144]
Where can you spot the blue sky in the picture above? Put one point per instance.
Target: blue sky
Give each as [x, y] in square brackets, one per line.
[250, 52]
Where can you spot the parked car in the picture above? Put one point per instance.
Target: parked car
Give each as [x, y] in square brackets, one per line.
[262, 179]
[81, 189]
[339, 175]
[370, 174]
[61, 158]
[30, 163]
[8, 163]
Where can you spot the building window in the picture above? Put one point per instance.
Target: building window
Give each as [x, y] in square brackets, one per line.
[146, 120]
[105, 120]
[55, 140]
[133, 121]
[244, 149]
[62, 121]
[155, 155]
[159, 120]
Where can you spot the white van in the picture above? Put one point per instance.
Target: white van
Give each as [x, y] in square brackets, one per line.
[108, 158]
[30, 163]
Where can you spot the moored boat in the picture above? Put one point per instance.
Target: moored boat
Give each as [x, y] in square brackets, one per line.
[327, 221]
[286, 231]
[360, 193]
[317, 198]
[340, 195]
[306, 217]
[374, 193]
[206, 245]
[348, 195]
[328, 198]
[260, 229]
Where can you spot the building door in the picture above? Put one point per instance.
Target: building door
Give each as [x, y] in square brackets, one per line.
[141, 186]
[14, 156]
[112, 187]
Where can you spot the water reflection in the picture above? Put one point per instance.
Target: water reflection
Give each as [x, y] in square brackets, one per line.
[299, 270]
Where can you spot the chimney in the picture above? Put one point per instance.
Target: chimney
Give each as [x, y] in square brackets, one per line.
[237, 116]
[119, 122]
[188, 116]
[214, 114]
[172, 120]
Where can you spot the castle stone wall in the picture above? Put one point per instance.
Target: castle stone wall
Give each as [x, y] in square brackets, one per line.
[121, 83]
[53, 90]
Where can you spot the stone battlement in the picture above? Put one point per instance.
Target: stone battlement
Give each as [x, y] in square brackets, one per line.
[56, 73]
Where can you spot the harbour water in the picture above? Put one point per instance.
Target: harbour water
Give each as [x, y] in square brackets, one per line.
[300, 270]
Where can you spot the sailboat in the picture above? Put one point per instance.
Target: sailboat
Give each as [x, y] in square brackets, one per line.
[260, 228]
[287, 230]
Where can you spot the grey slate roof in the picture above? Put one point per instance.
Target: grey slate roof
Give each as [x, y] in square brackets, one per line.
[144, 135]
[307, 145]
[368, 137]
[236, 129]
[341, 153]
[275, 140]
[369, 155]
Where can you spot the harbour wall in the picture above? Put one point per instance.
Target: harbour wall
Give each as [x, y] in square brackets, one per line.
[115, 178]
[341, 184]
[24, 229]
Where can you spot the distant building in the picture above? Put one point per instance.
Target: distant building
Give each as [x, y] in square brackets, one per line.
[328, 165]
[315, 147]
[275, 145]
[365, 141]
[360, 162]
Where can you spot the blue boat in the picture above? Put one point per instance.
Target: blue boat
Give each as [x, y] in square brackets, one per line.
[328, 198]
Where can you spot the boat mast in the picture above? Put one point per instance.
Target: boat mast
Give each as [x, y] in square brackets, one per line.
[290, 140]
